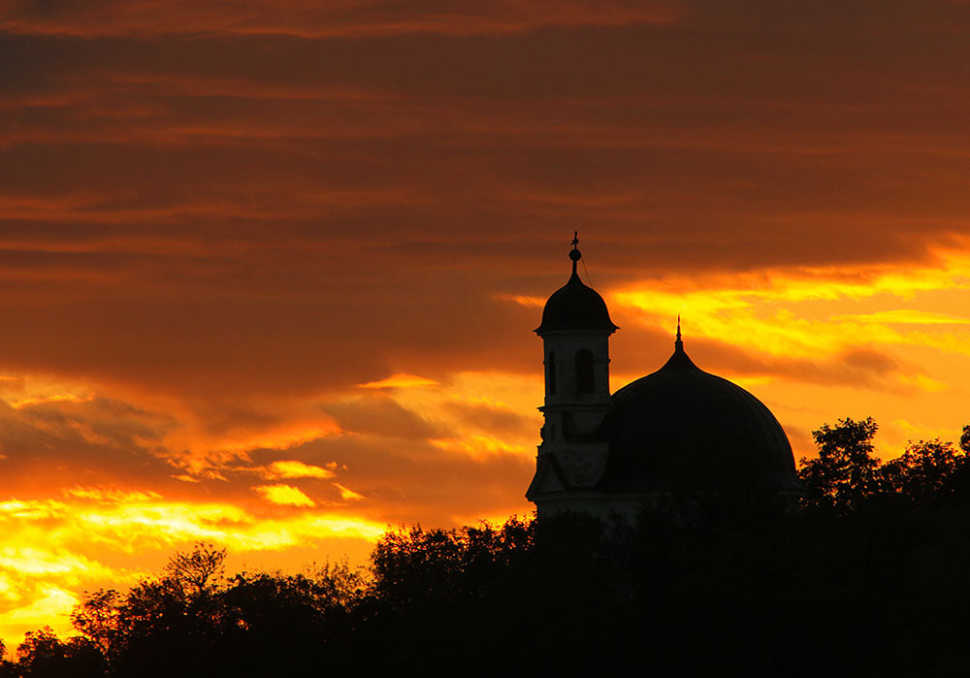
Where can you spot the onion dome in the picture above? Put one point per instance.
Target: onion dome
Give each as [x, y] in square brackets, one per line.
[683, 429]
[575, 306]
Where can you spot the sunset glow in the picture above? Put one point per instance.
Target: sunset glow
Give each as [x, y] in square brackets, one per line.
[269, 273]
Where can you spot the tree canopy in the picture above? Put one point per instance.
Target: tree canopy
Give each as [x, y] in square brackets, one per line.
[847, 476]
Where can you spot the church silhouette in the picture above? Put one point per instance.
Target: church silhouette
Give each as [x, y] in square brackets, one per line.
[678, 433]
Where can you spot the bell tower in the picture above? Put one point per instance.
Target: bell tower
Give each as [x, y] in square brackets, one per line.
[575, 333]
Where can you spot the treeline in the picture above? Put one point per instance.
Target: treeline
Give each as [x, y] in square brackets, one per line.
[847, 477]
[869, 576]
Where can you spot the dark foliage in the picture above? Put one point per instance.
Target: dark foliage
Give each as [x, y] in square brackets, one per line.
[847, 477]
[870, 578]
[845, 473]
[928, 471]
[43, 655]
[193, 621]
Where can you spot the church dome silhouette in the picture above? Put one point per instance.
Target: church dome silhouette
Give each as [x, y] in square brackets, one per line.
[682, 429]
[574, 306]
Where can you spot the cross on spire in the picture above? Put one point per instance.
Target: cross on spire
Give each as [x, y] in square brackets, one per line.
[575, 254]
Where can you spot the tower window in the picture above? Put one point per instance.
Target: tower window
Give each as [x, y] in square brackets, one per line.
[552, 373]
[584, 371]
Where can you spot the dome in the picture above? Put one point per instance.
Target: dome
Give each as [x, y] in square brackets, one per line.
[574, 306]
[683, 429]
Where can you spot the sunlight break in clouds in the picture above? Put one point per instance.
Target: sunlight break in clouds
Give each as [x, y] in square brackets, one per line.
[285, 495]
[280, 438]
[906, 316]
[802, 312]
[111, 495]
[48, 605]
[502, 395]
[292, 469]
[401, 381]
[348, 494]
[23, 390]
[479, 446]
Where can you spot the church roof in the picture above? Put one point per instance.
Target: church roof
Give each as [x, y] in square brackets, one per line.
[575, 306]
[682, 428]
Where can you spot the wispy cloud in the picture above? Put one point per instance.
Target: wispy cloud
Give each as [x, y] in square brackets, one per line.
[291, 468]
[285, 495]
[400, 381]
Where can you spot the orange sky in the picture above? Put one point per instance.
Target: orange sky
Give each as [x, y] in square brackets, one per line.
[269, 271]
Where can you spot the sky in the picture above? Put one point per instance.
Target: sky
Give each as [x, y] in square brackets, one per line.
[269, 271]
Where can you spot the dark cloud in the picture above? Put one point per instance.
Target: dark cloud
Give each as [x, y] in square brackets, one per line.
[62, 444]
[380, 415]
[497, 421]
[51, 447]
[307, 19]
[410, 481]
[200, 341]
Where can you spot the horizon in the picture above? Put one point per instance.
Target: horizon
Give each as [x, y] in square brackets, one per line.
[270, 278]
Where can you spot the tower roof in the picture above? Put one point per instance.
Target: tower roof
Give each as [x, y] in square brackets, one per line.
[575, 306]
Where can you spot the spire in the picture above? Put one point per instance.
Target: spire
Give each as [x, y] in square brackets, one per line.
[679, 360]
[575, 254]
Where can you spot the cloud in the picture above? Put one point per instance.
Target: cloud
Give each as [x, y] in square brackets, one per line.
[910, 317]
[859, 367]
[89, 442]
[414, 481]
[308, 20]
[478, 446]
[400, 381]
[380, 415]
[491, 418]
[285, 495]
[290, 468]
[45, 605]
[347, 494]
[798, 318]
[111, 495]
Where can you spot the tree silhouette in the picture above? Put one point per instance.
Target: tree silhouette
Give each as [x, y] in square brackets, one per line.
[925, 471]
[43, 655]
[845, 473]
[7, 669]
[194, 621]
[197, 573]
[423, 565]
[97, 619]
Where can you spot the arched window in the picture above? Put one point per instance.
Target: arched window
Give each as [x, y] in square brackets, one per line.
[584, 371]
[552, 372]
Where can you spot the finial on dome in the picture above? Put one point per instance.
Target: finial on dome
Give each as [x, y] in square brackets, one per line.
[575, 254]
[678, 343]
